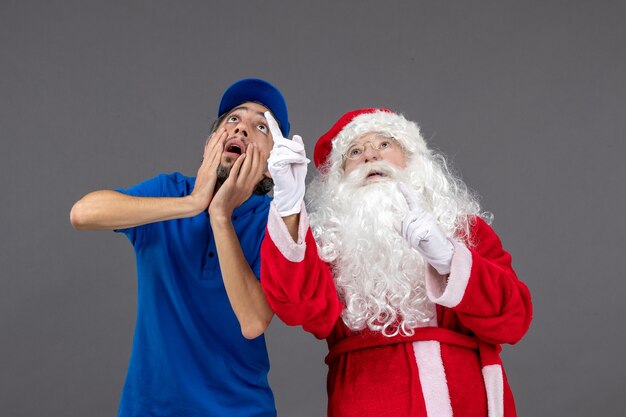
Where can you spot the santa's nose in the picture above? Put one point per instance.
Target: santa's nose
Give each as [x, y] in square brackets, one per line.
[371, 154]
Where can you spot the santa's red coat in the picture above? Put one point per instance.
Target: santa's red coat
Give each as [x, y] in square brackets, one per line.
[451, 367]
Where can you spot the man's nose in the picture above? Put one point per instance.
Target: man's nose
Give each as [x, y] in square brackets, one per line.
[241, 128]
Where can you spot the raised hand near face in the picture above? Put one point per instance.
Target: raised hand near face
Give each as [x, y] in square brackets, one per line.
[207, 173]
[287, 165]
[419, 227]
[245, 174]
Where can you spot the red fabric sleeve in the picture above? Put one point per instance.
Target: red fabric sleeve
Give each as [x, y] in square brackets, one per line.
[300, 293]
[496, 305]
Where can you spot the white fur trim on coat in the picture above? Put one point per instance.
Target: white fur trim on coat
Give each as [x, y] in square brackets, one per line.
[494, 385]
[276, 227]
[433, 378]
[449, 291]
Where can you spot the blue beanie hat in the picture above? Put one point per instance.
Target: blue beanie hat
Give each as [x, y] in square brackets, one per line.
[259, 91]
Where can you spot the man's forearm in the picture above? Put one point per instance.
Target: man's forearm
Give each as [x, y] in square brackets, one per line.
[243, 288]
[110, 210]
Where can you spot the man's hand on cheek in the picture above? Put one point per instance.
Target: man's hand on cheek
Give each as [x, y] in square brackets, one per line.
[207, 173]
[244, 175]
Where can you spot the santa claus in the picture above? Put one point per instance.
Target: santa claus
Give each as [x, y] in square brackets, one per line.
[396, 268]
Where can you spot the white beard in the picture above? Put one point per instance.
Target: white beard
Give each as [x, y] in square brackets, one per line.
[378, 276]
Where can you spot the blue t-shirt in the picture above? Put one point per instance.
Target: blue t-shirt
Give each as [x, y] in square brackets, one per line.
[189, 357]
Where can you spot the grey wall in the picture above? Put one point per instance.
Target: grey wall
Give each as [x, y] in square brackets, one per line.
[527, 98]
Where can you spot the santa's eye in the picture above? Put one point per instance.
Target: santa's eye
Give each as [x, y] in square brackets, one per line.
[384, 145]
[355, 151]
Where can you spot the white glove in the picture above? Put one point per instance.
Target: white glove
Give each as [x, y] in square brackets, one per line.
[420, 229]
[287, 165]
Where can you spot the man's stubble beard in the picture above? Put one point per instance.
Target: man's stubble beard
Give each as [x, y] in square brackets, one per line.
[223, 171]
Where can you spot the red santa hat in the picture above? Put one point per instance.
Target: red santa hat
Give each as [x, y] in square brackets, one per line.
[333, 144]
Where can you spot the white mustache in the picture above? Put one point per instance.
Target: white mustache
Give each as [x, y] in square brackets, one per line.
[359, 175]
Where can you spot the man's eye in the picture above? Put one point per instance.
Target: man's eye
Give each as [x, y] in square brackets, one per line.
[262, 128]
[232, 119]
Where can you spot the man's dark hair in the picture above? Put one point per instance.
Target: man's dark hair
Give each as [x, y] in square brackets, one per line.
[217, 122]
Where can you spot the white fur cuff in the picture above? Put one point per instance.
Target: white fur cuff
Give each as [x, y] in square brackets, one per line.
[276, 227]
[449, 292]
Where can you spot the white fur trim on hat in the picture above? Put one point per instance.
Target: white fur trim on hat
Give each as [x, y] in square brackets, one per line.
[406, 132]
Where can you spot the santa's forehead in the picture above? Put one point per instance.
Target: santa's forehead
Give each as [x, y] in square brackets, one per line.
[371, 136]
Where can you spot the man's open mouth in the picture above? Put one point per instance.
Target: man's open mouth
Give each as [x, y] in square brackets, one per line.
[235, 147]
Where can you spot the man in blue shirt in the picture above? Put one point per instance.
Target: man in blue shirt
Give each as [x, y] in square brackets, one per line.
[198, 348]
